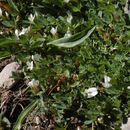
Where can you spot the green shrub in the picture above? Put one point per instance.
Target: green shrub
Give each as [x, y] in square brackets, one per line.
[87, 81]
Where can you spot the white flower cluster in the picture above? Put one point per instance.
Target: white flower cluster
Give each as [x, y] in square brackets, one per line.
[30, 65]
[34, 58]
[31, 18]
[22, 32]
[69, 18]
[53, 30]
[93, 91]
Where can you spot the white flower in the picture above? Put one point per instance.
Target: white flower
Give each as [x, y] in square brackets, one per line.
[33, 83]
[1, 33]
[24, 30]
[128, 87]
[126, 8]
[68, 33]
[30, 65]
[107, 80]
[66, 1]
[19, 33]
[91, 92]
[69, 18]
[36, 57]
[0, 12]
[31, 18]
[78, 128]
[7, 15]
[53, 30]
[36, 14]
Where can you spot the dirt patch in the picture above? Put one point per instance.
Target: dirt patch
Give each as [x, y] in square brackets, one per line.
[12, 102]
[39, 121]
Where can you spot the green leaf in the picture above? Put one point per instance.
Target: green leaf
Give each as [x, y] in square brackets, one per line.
[73, 40]
[5, 120]
[4, 42]
[23, 114]
[88, 122]
[4, 54]
[12, 4]
[8, 23]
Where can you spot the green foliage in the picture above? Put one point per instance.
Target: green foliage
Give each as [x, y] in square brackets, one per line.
[66, 74]
[4, 122]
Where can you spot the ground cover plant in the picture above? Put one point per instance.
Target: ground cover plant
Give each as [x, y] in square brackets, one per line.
[75, 63]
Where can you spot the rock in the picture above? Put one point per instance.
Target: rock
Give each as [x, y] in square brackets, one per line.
[126, 126]
[6, 79]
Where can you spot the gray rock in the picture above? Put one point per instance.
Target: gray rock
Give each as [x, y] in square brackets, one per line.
[6, 79]
[126, 126]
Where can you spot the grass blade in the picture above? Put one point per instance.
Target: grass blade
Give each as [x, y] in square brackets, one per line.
[5, 42]
[23, 115]
[12, 4]
[4, 54]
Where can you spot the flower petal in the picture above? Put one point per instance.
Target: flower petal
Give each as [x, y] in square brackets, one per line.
[33, 83]
[107, 80]
[91, 92]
